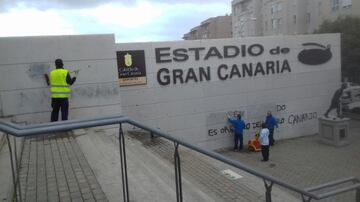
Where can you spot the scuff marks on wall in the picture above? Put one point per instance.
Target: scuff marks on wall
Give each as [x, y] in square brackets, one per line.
[24, 98]
[37, 70]
[221, 117]
[248, 113]
[25, 101]
[93, 91]
[34, 99]
[254, 111]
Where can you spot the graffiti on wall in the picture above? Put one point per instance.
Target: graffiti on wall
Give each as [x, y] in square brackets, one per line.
[37, 70]
[221, 117]
[254, 122]
[301, 118]
[93, 91]
[226, 130]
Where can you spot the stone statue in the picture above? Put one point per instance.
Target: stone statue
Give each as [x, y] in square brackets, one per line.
[336, 101]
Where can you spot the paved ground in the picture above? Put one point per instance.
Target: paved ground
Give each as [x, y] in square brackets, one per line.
[200, 170]
[206, 173]
[55, 169]
[150, 177]
[305, 162]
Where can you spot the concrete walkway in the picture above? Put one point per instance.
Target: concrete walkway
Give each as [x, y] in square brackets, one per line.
[55, 169]
[150, 178]
[151, 172]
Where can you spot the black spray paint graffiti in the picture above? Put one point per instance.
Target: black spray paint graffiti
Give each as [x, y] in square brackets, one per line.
[292, 119]
[280, 108]
[300, 118]
[257, 124]
[227, 130]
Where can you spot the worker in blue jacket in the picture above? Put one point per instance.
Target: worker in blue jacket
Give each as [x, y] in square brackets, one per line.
[239, 126]
[271, 123]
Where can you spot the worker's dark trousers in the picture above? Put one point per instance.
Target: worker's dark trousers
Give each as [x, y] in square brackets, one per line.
[237, 138]
[271, 137]
[265, 152]
[57, 104]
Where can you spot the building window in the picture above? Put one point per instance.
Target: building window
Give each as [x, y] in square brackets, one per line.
[279, 22]
[276, 24]
[308, 17]
[273, 23]
[277, 7]
[244, 6]
[294, 19]
[238, 9]
[346, 3]
[334, 5]
[266, 25]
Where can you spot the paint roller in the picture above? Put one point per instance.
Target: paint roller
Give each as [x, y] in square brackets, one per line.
[76, 72]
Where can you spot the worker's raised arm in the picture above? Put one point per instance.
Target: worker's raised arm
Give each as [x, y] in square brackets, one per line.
[70, 80]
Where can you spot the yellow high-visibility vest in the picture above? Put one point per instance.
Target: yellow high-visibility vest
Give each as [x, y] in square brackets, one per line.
[59, 88]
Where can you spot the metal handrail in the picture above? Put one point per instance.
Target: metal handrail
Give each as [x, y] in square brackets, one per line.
[44, 128]
[329, 184]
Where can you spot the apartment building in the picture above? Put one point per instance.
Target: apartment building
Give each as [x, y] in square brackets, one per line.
[287, 17]
[212, 28]
[246, 18]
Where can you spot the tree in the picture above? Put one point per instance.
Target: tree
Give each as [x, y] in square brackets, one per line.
[349, 27]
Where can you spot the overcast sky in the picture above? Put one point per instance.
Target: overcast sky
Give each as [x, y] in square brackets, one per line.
[129, 20]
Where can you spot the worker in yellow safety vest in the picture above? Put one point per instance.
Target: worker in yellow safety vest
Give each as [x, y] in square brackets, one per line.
[60, 82]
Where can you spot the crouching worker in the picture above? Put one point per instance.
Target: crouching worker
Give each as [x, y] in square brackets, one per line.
[239, 126]
[254, 144]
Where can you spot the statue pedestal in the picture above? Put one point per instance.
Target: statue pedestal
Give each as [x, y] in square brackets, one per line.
[334, 131]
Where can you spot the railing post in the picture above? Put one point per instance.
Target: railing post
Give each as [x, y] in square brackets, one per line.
[124, 176]
[305, 199]
[177, 165]
[268, 188]
[357, 191]
[13, 168]
[17, 167]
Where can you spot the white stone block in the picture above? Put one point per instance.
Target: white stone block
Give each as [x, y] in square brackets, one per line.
[71, 48]
[25, 60]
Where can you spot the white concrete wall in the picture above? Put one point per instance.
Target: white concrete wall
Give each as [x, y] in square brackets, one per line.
[192, 109]
[24, 95]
